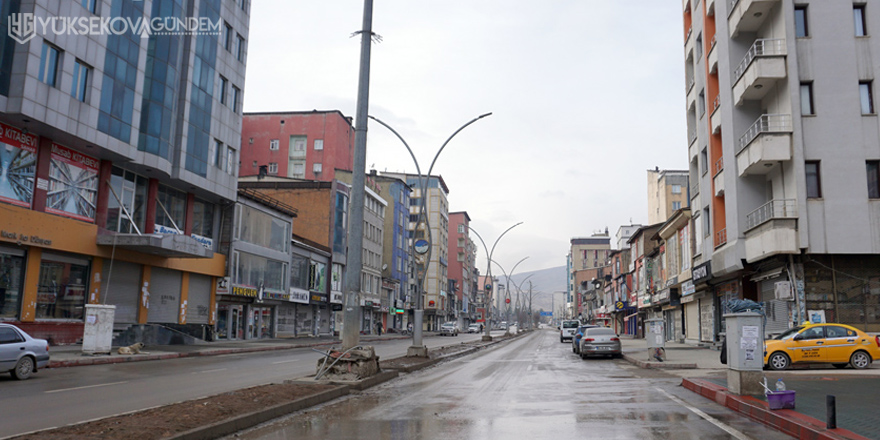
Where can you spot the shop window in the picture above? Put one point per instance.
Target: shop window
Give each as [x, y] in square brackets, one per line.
[11, 274]
[262, 229]
[318, 277]
[170, 209]
[61, 293]
[255, 271]
[299, 272]
[203, 218]
[129, 192]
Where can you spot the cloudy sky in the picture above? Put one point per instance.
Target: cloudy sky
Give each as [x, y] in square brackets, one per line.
[586, 96]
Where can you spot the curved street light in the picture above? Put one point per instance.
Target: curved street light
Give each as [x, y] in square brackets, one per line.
[487, 336]
[418, 348]
[507, 278]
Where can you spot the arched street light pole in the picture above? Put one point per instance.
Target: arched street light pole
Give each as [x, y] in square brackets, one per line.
[507, 279]
[487, 305]
[418, 348]
[518, 306]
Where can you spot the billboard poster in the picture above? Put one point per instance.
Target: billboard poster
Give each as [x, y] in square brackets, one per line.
[18, 166]
[73, 184]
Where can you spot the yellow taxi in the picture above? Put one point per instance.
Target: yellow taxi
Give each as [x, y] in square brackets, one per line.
[837, 344]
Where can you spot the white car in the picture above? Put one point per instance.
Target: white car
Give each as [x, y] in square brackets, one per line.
[449, 328]
[474, 328]
[567, 329]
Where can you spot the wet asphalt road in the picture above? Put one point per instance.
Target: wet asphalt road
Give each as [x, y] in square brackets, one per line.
[531, 388]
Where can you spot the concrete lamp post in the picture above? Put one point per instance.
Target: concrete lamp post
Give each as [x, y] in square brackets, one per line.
[418, 348]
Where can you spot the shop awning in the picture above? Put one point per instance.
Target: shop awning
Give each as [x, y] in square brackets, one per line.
[165, 245]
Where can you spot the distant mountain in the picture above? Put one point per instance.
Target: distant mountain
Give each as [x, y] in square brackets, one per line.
[544, 283]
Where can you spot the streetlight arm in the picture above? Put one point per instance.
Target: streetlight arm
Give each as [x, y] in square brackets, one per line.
[499, 239]
[431, 168]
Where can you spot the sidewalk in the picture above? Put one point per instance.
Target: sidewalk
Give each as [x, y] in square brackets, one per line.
[702, 372]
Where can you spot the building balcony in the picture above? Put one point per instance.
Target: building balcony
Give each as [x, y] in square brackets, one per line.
[695, 191]
[760, 69]
[764, 144]
[713, 56]
[692, 137]
[718, 177]
[691, 93]
[721, 238]
[748, 15]
[689, 45]
[715, 119]
[710, 7]
[771, 230]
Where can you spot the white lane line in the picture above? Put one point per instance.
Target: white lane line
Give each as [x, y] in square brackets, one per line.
[287, 362]
[87, 386]
[727, 428]
[208, 371]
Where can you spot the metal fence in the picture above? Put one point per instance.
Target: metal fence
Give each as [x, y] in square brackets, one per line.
[780, 208]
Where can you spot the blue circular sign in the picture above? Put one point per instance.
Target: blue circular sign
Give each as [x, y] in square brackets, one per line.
[421, 246]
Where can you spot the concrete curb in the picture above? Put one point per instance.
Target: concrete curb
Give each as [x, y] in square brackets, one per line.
[245, 421]
[788, 421]
[658, 365]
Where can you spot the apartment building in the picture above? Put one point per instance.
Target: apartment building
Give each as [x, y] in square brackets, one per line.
[667, 193]
[308, 145]
[462, 258]
[586, 253]
[119, 150]
[784, 156]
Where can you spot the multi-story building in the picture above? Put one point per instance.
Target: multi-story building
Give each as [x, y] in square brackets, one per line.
[462, 258]
[784, 155]
[437, 211]
[586, 253]
[643, 244]
[675, 282]
[119, 149]
[624, 232]
[667, 193]
[320, 229]
[619, 305]
[308, 145]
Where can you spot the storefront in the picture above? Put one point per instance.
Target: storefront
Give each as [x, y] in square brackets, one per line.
[775, 291]
[691, 310]
[705, 298]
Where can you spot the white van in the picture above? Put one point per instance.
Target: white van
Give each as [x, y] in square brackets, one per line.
[567, 329]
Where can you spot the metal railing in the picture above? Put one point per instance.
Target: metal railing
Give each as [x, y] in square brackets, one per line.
[688, 34]
[716, 103]
[767, 123]
[718, 166]
[760, 48]
[780, 208]
[721, 238]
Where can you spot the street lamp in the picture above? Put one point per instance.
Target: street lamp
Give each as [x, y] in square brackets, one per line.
[487, 336]
[507, 287]
[517, 308]
[418, 348]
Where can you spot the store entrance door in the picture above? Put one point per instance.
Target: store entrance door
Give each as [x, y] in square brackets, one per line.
[262, 322]
[229, 321]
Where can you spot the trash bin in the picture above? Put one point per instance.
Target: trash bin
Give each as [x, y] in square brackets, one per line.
[781, 399]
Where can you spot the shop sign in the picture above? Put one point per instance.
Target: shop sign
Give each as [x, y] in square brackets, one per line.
[335, 297]
[208, 243]
[368, 304]
[620, 305]
[223, 286]
[276, 295]
[18, 154]
[672, 281]
[73, 184]
[336, 307]
[687, 299]
[644, 301]
[687, 288]
[318, 298]
[663, 295]
[299, 296]
[388, 285]
[250, 292]
[161, 229]
[24, 238]
[702, 273]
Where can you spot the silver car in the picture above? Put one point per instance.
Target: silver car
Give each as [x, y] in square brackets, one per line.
[20, 354]
[601, 341]
[449, 328]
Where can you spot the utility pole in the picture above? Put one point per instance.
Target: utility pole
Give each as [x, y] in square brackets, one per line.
[354, 258]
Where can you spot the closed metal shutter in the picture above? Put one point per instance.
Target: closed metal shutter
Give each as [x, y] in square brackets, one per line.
[164, 296]
[124, 284]
[777, 311]
[198, 302]
[707, 320]
[692, 320]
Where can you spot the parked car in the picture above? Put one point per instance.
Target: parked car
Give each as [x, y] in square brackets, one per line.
[576, 339]
[601, 341]
[567, 329]
[449, 328]
[837, 344]
[474, 328]
[20, 354]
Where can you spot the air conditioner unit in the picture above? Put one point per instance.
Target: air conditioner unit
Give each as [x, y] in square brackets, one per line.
[783, 291]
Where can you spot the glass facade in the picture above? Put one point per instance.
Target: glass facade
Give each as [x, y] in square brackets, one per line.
[120, 74]
[132, 192]
[157, 128]
[339, 227]
[201, 100]
[7, 44]
[61, 291]
[174, 203]
[11, 275]
[254, 270]
[203, 218]
[259, 228]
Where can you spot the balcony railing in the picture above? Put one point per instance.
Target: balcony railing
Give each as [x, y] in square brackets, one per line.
[695, 190]
[718, 166]
[762, 47]
[721, 237]
[775, 123]
[781, 208]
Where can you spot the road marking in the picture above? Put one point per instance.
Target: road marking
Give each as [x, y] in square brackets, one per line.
[727, 428]
[87, 386]
[287, 362]
[208, 371]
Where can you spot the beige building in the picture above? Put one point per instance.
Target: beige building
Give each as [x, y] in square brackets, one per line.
[667, 193]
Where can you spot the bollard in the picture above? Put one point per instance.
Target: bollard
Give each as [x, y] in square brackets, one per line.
[831, 412]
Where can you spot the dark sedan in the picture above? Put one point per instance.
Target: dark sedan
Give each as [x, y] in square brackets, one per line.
[600, 341]
[20, 354]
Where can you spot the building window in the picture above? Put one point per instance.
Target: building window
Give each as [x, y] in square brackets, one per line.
[319, 144]
[298, 170]
[807, 99]
[814, 180]
[227, 37]
[704, 161]
[273, 168]
[800, 21]
[701, 103]
[698, 48]
[236, 98]
[866, 97]
[461, 229]
[273, 144]
[706, 223]
[873, 168]
[89, 5]
[676, 206]
[239, 47]
[224, 84]
[230, 161]
[170, 208]
[61, 291]
[676, 189]
[203, 218]
[49, 61]
[316, 168]
[859, 20]
[218, 152]
[80, 80]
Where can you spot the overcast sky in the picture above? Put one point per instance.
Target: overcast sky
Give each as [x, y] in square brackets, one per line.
[586, 96]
